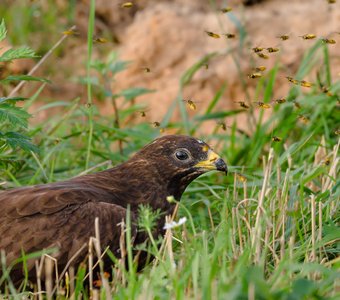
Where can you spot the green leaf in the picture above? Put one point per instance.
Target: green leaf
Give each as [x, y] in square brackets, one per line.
[13, 99]
[25, 78]
[22, 52]
[3, 31]
[132, 93]
[15, 139]
[15, 115]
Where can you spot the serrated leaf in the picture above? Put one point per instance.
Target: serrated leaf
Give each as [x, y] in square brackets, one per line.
[12, 99]
[132, 93]
[18, 53]
[15, 115]
[3, 31]
[25, 78]
[15, 139]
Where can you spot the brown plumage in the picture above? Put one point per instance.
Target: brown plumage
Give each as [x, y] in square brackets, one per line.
[62, 215]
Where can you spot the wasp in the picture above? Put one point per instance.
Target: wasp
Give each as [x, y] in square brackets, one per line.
[262, 55]
[308, 36]
[226, 10]
[260, 68]
[242, 104]
[284, 37]
[272, 49]
[229, 35]
[276, 139]
[213, 35]
[328, 41]
[262, 105]
[127, 5]
[255, 75]
[305, 83]
[190, 104]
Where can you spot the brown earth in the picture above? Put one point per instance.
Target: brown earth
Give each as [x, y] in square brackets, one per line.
[168, 37]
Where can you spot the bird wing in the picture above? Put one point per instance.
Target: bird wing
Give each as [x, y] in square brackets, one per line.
[59, 216]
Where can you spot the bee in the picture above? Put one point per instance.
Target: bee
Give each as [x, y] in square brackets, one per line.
[126, 5]
[308, 36]
[292, 80]
[331, 1]
[240, 177]
[327, 161]
[242, 104]
[255, 75]
[276, 139]
[156, 124]
[284, 37]
[303, 119]
[260, 68]
[272, 49]
[305, 83]
[213, 35]
[229, 35]
[146, 69]
[280, 100]
[142, 113]
[206, 66]
[263, 105]
[222, 125]
[257, 49]
[262, 55]
[70, 32]
[100, 40]
[226, 10]
[325, 90]
[190, 104]
[328, 41]
[337, 131]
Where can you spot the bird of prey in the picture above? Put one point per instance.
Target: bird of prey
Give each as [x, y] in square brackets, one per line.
[62, 215]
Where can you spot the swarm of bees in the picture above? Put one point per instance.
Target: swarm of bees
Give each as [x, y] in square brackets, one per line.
[213, 35]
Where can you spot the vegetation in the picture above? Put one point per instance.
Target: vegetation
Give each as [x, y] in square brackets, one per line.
[267, 231]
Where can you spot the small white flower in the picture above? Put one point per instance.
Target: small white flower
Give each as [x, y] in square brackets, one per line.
[174, 224]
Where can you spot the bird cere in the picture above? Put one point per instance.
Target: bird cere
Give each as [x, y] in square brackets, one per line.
[62, 215]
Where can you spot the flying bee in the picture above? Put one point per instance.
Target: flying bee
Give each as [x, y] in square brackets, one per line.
[284, 37]
[255, 75]
[308, 36]
[272, 49]
[229, 35]
[297, 104]
[327, 161]
[226, 10]
[280, 100]
[263, 105]
[325, 90]
[222, 125]
[305, 83]
[292, 80]
[206, 66]
[276, 139]
[328, 41]
[240, 177]
[262, 55]
[260, 68]
[190, 104]
[142, 113]
[213, 35]
[257, 49]
[100, 40]
[71, 32]
[146, 69]
[242, 104]
[337, 131]
[303, 119]
[126, 5]
[156, 124]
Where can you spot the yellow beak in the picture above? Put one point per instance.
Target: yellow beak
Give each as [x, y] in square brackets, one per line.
[213, 162]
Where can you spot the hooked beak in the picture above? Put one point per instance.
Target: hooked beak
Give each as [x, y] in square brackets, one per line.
[213, 162]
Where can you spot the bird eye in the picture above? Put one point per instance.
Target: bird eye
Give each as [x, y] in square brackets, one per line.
[181, 155]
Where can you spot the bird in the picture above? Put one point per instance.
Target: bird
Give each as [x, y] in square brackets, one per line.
[61, 215]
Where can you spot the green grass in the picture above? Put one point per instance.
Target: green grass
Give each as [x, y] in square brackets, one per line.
[270, 233]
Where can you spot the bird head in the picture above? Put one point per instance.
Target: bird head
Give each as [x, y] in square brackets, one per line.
[180, 159]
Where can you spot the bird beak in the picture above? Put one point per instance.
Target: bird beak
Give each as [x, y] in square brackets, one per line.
[213, 162]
